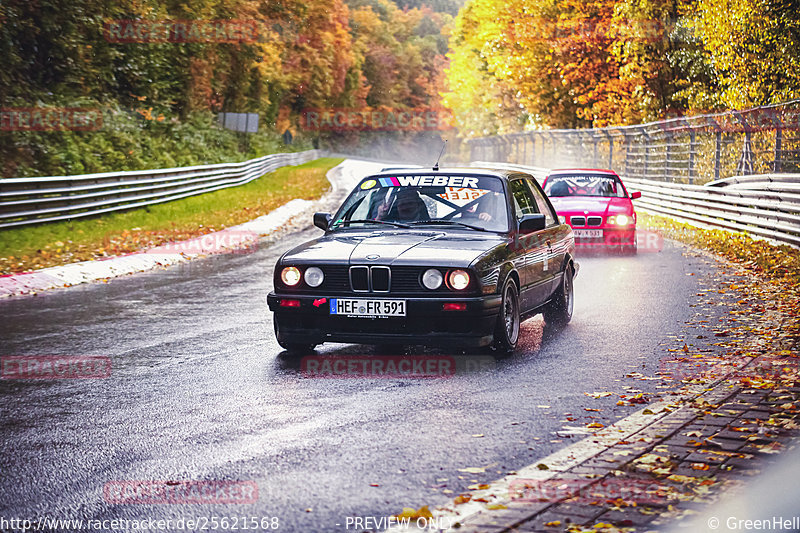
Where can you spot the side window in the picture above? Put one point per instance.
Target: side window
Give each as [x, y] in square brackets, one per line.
[524, 203]
[620, 189]
[544, 207]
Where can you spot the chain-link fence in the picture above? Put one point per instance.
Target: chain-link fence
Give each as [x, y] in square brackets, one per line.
[684, 149]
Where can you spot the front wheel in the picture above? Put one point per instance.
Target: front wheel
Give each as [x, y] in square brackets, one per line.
[506, 333]
[558, 311]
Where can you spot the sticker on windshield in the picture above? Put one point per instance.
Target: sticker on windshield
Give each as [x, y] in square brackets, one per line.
[461, 195]
[422, 181]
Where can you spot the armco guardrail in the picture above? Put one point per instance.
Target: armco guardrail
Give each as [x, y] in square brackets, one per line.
[767, 206]
[34, 200]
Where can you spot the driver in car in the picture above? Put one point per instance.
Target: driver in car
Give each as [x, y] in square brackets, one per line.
[407, 207]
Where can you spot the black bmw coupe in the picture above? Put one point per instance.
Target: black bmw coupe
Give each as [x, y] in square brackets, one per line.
[453, 257]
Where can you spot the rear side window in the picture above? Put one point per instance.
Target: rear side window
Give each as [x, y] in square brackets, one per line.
[544, 207]
[524, 202]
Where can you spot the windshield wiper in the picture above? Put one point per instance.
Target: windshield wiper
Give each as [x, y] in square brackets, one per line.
[449, 222]
[399, 225]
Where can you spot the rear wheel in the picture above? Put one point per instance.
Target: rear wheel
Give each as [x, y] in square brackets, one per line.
[506, 332]
[559, 311]
[295, 348]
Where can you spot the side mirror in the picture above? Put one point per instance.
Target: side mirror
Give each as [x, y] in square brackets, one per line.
[531, 223]
[635, 195]
[322, 220]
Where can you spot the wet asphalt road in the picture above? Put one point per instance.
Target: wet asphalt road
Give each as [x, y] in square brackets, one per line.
[199, 390]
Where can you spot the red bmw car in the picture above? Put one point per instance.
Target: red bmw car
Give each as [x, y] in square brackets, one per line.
[597, 206]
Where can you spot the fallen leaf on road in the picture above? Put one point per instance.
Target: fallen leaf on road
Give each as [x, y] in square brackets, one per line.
[681, 479]
[414, 514]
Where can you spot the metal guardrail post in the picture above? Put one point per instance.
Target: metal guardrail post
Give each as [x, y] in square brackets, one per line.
[692, 150]
[717, 153]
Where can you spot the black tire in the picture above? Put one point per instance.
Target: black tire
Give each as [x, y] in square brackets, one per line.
[628, 249]
[558, 311]
[294, 348]
[506, 332]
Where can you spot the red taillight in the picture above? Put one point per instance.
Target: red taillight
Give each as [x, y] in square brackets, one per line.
[454, 306]
[290, 303]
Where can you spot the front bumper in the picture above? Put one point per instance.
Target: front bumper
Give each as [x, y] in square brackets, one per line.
[425, 322]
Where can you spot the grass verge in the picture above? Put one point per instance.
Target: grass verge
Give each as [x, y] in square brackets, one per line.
[60, 243]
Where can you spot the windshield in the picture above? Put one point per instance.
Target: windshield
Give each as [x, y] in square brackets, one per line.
[477, 202]
[584, 185]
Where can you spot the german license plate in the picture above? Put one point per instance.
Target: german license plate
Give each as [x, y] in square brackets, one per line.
[357, 308]
[588, 233]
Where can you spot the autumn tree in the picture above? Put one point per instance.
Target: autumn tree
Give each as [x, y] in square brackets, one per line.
[754, 47]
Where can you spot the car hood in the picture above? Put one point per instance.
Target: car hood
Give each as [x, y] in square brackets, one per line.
[595, 205]
[396, 247]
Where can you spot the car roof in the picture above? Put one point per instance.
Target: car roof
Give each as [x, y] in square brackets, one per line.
[581, 170]
[461, 171]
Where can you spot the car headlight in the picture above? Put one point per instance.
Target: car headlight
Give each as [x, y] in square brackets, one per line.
[459, 279]
[432, 279]
[290, 276]
[314, 276]
[620, 220]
